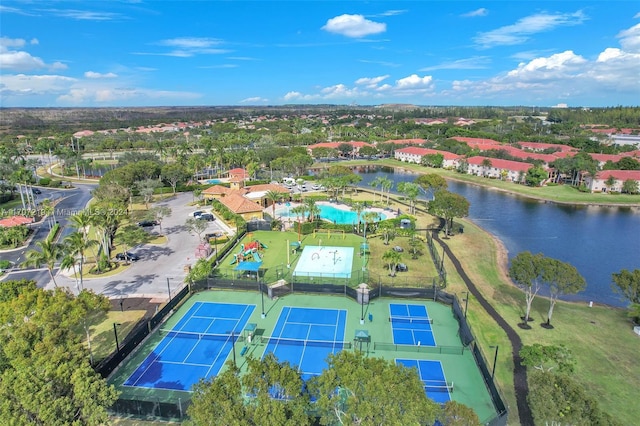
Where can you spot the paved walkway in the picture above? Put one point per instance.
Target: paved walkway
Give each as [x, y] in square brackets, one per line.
[519, 371]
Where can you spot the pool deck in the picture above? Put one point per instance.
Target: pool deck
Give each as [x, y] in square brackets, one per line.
[289, 220]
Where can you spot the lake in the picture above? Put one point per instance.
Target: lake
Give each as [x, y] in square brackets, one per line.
[598, 241]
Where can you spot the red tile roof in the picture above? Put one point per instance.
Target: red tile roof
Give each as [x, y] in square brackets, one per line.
[619, 174]
[239, 204]
[498, 163]
[10, 222]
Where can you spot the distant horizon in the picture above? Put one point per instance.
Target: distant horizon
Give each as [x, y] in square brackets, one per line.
[150, 53]
[300, 106]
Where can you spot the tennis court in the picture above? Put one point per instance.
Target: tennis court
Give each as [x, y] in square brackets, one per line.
[432, 376]
[304, 337]
[411, 325]
[196, 347]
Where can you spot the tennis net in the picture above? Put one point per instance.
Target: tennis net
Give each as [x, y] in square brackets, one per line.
[199, 336]
[410, 320]
[298, 342]
[439, 387]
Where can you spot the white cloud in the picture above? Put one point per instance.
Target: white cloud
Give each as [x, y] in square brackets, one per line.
[371, 82]
[356, 26]
[564, 75]
[84, 15]
[92, 74]
[186, 47]
[393, 12]
[630, 39]
[478, 12]
[20, 84]
[383, 63]
[521, 31]
[413, 81]
[21, 61]
[254, 100]
[473, 63]
[368, 87]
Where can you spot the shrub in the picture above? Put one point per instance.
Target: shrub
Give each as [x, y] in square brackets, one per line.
[45, 181]
[55, 184]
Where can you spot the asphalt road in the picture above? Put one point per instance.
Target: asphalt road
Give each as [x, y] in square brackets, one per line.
[160, 268]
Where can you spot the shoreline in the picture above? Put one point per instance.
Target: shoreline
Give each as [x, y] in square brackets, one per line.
[517, 194]
[502, 262]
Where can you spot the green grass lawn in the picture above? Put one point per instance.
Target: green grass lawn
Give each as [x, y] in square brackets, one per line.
[278, 255]
[601, 338]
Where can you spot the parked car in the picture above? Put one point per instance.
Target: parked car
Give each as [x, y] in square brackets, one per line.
[197, 213]
[36, 191]
[398, 249]
[147, 223]
[127, 256]
[207, 216]
[401, 267]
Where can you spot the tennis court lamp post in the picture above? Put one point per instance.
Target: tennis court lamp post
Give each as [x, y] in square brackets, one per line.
[466, 303]
[495, 359]
[115, 333]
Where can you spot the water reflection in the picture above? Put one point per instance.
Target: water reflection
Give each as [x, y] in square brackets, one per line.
[597, 240]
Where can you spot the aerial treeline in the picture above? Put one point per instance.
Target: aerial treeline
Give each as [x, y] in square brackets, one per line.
[45, 373]
[614, 116]
[353, 390]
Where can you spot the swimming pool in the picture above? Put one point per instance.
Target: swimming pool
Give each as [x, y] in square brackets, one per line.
[335, 215]
[213, 181]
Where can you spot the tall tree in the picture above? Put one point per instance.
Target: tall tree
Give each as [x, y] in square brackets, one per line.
[448, 206]
[197, 226]
[392, 258]
[431, 182]
[526, 272]
[46, 378]
[48, 254]
[560, 399]
[411, 191]
[562, 278]
[355, 389]
[173, 174]
[274, 197]
[76, 245]
[627, 283]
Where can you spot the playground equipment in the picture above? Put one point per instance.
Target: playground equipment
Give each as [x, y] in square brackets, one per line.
[249, 251]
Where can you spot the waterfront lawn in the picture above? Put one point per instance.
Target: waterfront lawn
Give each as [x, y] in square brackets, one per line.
[559, 193]
[601, 338]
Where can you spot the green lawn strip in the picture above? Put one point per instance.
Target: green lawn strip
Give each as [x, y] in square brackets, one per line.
[103, 339]
[600, 338]
[558, 193]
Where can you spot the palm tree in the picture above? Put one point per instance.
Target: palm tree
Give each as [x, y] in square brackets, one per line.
[377, 182]
[369, 217]
[274, 197]
[386, 185]
[48, 255]
[358, 208]
[69, 261]
[312, 208]
[391, 258]
[75, 245]
[299, 211]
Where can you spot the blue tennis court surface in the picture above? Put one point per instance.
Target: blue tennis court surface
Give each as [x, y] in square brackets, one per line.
[197, 347]
[306, 336]
[432, 376]
[410, 325]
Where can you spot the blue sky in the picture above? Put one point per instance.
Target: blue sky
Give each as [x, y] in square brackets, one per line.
[150, 53]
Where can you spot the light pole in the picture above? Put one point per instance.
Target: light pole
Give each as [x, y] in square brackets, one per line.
[495, 359]
[169, 289]
[466, 303]
[233, 347]
[115, 332]
[263, 315]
